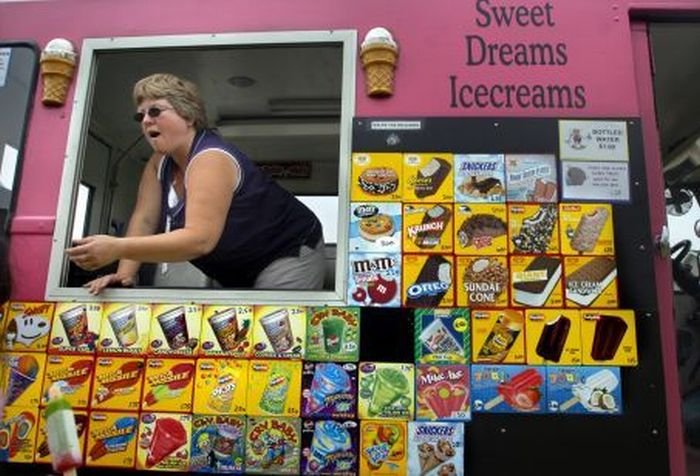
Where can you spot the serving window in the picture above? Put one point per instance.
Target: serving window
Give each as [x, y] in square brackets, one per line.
[286, 99]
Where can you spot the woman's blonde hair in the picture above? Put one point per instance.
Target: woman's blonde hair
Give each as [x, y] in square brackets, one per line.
[181, 93]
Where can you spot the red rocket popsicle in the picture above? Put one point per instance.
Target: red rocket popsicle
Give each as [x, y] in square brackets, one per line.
[522, 392]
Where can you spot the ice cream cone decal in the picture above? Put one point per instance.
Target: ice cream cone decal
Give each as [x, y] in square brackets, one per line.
[57, 66]
[379, 53]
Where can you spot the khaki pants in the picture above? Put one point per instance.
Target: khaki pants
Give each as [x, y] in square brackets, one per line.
[302, 272]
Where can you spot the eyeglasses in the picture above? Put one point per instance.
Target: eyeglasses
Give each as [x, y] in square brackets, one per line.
[153, 111]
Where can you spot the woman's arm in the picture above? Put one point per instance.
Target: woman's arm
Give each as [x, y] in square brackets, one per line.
[210, 182]
[144, 221]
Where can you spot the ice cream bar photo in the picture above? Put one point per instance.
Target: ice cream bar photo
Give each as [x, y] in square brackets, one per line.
[609, 331]
[588, 230]
[585, 284]
[435, 221]
[537, 281]
[522, 392]
[553, 338]
[431, 176]
[437, 272]
[594, 392]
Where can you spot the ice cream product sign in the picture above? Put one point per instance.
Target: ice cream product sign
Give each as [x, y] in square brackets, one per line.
[112, 439]
[176, 331]
[218, 444]
[168, 385]
[163, 442]
[17, 435]
[374, 279]
[442, 336]
[333, 334]
[125, 329]
[227, 331]
[588, 390]
[329, 390]
[279, 332]
[27, 326]
[436, 449]
[221, 386]
[383, 447]
[508, 388]
[76, 327]
[117, 384]
[329, 447]
[22, 381]
[442, 392]
[274, 388]
[273, 445]
[386, 391]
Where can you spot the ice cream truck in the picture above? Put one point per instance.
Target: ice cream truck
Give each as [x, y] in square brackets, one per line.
[490, 178]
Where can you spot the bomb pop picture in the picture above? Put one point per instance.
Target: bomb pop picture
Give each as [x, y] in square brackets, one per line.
[508, 388]
[589, 390]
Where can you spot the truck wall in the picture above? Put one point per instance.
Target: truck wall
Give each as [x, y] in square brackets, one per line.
[442, 59]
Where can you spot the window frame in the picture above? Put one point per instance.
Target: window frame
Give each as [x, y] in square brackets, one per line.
[77, 137]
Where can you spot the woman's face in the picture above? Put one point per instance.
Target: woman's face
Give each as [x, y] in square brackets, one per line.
[163, 127]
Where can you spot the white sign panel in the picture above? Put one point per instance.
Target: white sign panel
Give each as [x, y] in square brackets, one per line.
[4, 64]
[598, 181]
[593, 140]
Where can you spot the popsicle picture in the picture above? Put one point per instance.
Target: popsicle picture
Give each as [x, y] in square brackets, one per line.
[522, 392]
[114, 439]
[170, 384]
[23, 373]
[445, 398]
[17, 432]
[609, 331]
[553, 338]
[594, 392]
[110, 386]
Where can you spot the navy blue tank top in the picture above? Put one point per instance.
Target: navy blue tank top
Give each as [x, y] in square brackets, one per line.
[265, 222]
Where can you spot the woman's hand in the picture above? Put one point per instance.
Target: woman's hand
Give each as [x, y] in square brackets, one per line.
[94, 252]
[96, 286]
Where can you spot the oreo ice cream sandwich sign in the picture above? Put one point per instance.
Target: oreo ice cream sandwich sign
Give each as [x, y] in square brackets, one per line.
[428, 281]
